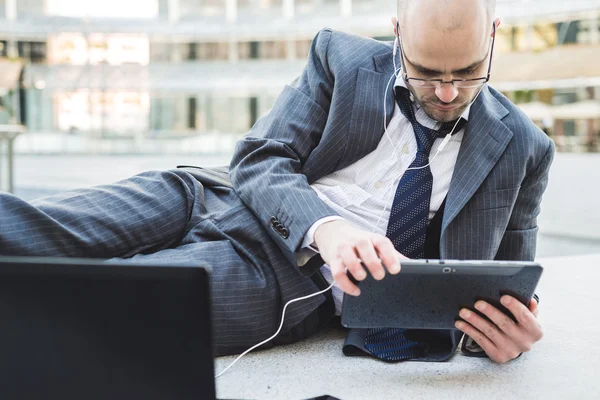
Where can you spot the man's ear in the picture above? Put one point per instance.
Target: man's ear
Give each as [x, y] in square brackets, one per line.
[497, 22]
[395, 25]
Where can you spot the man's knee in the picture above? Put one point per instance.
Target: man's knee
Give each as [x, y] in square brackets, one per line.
[172, 179]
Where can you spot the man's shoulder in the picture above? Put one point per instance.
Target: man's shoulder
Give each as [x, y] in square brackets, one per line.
[345, 50]
[526, 132]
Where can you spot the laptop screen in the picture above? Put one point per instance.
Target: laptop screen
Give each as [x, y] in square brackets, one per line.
[84, 329]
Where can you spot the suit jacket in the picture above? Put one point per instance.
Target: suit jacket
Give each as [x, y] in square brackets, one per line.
[332, 115]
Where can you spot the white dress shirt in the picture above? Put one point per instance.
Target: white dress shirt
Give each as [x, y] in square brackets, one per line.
[363, 192]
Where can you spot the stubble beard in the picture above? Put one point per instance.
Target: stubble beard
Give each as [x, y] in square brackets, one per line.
[442, 115]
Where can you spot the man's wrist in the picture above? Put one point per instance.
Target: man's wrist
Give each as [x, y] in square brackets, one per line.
[310, 239]
[323, 228]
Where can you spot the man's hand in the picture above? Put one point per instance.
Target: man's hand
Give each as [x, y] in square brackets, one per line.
[342, 246]
[504, 340]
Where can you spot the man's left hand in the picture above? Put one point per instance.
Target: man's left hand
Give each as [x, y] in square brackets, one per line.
[504, 340]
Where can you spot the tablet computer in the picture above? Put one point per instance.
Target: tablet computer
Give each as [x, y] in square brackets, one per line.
[428, 294]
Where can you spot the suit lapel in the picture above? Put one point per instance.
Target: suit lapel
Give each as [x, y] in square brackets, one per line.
[366, 121]
[384, 65]
[485, 139]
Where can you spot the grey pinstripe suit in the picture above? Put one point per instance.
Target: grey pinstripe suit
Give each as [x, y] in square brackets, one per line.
[326, 119]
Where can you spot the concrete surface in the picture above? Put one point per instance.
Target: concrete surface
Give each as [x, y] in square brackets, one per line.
[570, 205]
[563, 365]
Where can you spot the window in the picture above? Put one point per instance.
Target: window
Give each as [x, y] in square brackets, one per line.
[212, 51]
[302, 49]
[34, 52]
[30, 8]
[567, 32]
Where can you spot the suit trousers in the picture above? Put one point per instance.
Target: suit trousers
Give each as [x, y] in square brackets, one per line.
[169, 218]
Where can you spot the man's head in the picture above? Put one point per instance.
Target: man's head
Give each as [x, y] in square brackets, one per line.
[445, 39]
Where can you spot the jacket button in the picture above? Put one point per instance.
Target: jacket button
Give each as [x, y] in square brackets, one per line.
[274, 221]
[285, 233]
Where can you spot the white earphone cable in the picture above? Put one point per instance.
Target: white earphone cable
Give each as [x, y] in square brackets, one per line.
[278, 330]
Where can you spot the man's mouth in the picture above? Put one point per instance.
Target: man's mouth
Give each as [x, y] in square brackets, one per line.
[444, 107]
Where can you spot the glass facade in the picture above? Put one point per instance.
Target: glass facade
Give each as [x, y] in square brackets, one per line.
[172, 89]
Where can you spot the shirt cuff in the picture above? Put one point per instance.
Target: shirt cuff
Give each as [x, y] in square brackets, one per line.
[309, 238]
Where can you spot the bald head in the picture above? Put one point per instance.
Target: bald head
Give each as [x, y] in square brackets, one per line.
[445, 39]
[447, 15]
[445, 5]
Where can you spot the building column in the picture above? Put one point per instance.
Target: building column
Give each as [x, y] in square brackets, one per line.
[176, 50]
[591, 136]
[559, 133]
[594, 33]
[234, 55]
[231, 10]
[12, 50]
[529, 37]
[346, 8]
[288, 9]
[174, 11]
[513, 38]
[290, 49]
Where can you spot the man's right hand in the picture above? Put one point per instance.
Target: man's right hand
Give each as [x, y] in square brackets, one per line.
[343, 247]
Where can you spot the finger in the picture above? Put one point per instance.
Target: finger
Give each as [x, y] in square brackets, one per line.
[387, 253]
[533, 307]
[513, 333]
[341, 278]
[488, 329]
[369, 257]
[524, 317]
[503, 322]
[351, 261]
[490, 349]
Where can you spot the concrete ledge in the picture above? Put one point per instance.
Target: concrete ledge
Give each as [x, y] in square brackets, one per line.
[562, 365]
[570, 206]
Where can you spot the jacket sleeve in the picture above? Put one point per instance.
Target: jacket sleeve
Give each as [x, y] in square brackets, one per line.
[520, 238]
[266, 166]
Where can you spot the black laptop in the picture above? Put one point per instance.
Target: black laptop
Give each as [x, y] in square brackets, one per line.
[82, 329]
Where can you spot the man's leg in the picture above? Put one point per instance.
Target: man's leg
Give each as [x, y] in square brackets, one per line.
[142, 214]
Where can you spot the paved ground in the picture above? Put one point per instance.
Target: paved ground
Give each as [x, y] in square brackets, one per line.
[563, 365]
[569, 223]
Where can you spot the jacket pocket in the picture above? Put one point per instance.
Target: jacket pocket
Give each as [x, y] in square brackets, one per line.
[493, 199]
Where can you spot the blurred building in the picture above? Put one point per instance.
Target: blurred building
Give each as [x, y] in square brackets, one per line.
[150, 71]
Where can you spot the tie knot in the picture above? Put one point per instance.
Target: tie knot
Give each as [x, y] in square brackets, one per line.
[425, 136]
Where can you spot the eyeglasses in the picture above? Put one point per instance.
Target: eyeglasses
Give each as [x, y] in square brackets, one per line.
[436, 83]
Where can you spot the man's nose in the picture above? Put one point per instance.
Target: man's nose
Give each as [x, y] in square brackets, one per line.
[446, 92]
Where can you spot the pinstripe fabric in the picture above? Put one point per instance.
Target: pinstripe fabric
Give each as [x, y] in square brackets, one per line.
[327, 119]
[168, 217]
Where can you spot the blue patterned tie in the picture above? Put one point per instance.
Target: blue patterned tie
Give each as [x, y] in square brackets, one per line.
[407, 227]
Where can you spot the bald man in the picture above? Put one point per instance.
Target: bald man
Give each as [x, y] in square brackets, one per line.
[376, 152]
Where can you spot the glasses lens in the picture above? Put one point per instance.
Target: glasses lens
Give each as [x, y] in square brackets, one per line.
[426, 84]
[423, 84]
[469, 84]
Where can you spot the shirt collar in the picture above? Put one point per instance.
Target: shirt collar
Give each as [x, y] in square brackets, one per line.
[400, 83]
